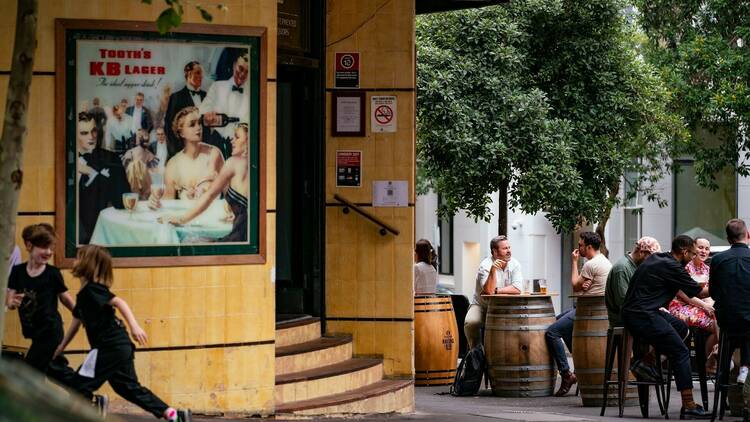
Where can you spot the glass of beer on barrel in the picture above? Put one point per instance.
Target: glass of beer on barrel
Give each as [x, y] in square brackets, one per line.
[542, 286]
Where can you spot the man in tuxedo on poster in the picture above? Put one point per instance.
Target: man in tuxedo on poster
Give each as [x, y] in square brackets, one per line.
[100, 177]
[189, 96]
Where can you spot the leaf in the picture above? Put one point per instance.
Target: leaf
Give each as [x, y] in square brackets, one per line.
[167, 20]
[204, 14]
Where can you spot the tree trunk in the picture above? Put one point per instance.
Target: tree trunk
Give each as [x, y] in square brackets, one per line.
[502, 209]
[13, 135]
[605, 218]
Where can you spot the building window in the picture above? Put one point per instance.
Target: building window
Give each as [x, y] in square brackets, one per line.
[445, 243]
[632, 211]
[700, 212]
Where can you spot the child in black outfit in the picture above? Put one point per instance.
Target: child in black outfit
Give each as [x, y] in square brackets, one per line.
[34, 287]
[95, 309]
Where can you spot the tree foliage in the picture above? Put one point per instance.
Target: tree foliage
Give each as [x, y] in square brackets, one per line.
[549, 93]
[701, 48]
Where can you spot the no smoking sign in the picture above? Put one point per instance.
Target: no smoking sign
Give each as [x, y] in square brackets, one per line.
[382, 113]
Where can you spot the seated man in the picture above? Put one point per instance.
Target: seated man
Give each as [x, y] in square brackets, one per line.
[729, 286]
[498, 273]
[590, 282]
[654, 284]
[619, 277]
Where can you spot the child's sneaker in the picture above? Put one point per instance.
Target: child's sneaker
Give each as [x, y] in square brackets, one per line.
[101, 402]
[174, 415]
[743, 375]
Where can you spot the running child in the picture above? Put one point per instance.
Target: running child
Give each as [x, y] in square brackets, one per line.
[34, 288]
[112, 351]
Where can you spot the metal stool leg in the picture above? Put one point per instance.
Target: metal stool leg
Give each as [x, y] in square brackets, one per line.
[623, 370]
[609, 363]
[720, 370]
[699, 339]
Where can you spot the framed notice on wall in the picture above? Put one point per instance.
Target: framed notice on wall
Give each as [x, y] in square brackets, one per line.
[161, 142]
[348, 114]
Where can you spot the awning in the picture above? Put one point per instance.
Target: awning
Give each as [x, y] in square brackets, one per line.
[430, 6]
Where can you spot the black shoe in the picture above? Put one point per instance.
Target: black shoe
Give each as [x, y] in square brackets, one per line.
[695, 413]
[644, 372]
[101, 402]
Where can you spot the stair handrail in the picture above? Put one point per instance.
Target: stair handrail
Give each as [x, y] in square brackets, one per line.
[384, 227]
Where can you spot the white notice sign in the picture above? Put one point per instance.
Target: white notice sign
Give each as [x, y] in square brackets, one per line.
[390, 193]
[348, 112]
[383, 113]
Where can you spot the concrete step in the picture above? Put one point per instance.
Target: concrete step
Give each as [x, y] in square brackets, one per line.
[385, 396]
[313, 354]
[297, 330]
[327, 380]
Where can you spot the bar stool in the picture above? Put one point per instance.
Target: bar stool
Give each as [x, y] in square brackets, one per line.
[727, 344]
[699, 346]
[624, 349]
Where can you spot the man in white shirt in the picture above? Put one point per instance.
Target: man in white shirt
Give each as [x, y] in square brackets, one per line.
[140, 116]
[591, 281]
[120, 135]
[498, 273]
[230, 97]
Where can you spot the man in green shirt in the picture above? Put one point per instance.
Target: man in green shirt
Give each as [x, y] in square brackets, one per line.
[620, 274]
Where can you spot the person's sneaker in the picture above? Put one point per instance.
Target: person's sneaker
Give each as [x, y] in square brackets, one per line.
[644, 371]
[742, 375]
[568, 379]
[181, 415]
[101, 402]
[695, 413]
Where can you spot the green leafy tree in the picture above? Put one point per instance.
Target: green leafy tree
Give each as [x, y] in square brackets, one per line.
[701, 48]
[481, 129]
[606, 107]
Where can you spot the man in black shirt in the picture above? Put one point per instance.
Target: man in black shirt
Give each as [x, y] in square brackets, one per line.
[729, 286]
[656, 282]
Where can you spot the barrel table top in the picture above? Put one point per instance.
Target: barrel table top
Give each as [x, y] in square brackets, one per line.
[552, 294]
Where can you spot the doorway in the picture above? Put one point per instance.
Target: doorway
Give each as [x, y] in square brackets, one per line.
[300, 190]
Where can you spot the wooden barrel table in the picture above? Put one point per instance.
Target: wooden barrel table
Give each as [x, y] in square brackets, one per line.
[518, 362]
[589, 353]
[435, 340]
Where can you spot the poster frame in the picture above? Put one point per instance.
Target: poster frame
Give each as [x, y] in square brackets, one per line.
[254, 251]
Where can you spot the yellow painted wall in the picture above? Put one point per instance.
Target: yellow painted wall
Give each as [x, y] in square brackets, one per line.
[369, 277]
[219, 309]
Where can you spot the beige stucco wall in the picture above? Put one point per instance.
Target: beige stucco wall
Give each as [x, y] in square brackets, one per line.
[369, 277]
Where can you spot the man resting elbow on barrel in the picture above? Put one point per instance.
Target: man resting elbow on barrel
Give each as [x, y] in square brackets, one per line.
[498, 273]
[589, 282]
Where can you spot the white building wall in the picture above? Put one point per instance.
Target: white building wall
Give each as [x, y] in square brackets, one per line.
[536, 244]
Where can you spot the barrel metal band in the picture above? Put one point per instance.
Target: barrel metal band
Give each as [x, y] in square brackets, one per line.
[520, 368]
[530, 379]
[434, 310]
[590, 371]
[518, 316]
[517, 328]
[521, 307]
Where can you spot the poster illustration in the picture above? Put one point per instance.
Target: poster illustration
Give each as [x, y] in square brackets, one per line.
[162, 143]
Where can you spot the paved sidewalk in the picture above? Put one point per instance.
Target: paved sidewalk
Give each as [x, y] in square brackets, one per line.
[431, 406]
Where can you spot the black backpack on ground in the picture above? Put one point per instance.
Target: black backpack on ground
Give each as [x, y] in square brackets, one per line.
[469, 373]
